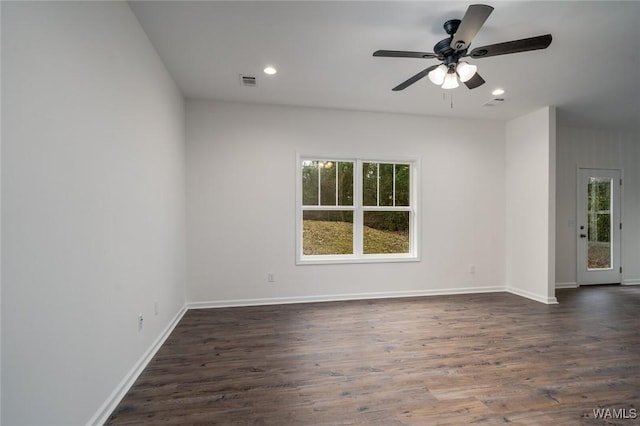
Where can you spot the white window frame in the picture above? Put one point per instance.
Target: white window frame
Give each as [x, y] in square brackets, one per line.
[358, 211]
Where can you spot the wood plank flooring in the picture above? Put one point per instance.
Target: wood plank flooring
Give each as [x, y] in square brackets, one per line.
[481, 359]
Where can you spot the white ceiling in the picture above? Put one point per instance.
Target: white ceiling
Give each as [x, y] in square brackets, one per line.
[323, 53]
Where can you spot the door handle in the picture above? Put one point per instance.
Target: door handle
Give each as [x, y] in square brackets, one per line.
[583, 236]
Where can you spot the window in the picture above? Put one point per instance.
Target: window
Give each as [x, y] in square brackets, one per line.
[356, 210]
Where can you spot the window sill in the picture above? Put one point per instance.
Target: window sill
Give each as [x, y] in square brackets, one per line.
[370, 258]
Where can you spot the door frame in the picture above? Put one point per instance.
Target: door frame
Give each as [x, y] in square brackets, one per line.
[609, 276]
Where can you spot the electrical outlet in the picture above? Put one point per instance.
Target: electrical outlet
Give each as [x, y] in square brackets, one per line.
[472, 269]
[271, 277]
[140, 322]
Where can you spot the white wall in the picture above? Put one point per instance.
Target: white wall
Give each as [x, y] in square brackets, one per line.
[530, 205]
[0, 221]
[241, 202]
[591, 148]
[93, 221]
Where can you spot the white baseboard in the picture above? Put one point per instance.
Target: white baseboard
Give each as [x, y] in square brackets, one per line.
[103, 413]
[576, 285]
[533, 296]
[340, 297]
[567, 285]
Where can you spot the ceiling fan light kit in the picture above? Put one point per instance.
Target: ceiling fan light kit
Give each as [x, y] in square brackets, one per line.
[438, 74]
[450, 50]
[465, 71]
[450, 81]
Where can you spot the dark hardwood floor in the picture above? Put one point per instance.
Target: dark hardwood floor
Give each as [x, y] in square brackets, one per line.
[445, 360]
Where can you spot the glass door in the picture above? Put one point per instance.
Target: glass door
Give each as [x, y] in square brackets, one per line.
[598, 239]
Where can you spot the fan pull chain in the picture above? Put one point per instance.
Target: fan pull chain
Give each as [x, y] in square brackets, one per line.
[444, 98]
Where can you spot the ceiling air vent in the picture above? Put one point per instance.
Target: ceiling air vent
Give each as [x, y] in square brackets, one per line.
[494, 102]
[248, 81]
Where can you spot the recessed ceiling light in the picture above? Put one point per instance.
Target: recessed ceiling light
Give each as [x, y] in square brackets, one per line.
[270, 70]
[498, 92]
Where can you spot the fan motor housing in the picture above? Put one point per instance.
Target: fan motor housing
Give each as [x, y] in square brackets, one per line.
[451, 26]
[446, 54]
[443, 47]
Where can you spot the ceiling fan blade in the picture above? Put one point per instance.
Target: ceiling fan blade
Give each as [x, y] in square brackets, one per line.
[403, 54]
[415, 78]
[473, 19]
[515, 46]
[474, 81]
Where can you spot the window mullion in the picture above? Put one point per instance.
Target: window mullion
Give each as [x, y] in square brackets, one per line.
[337, 167]
[319, 184]
[387, 208]
[377, 184]
[393, 187]
[358, 221]
[332, 208]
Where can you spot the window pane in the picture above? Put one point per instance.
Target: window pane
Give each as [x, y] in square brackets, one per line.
[386, 185]
[328, 183]
[370, 184]
[386, 232]
[402, 185]
[599, 224]
[309, 183]
[345, 183]
[327, 232]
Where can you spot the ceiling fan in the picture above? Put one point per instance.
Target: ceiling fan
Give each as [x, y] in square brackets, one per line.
[451, 50]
